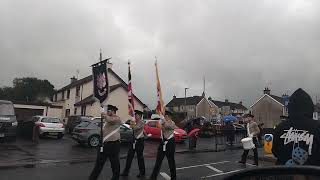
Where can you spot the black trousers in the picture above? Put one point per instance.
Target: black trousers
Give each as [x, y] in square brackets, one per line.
[255, 151]
[170, 151]
[110, 150]
[139, 149]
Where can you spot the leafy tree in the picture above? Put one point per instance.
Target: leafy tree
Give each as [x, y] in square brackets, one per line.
[28, 89]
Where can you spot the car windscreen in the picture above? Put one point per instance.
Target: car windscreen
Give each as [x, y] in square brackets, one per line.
[50, 120]
[84, 124]
[6, 109]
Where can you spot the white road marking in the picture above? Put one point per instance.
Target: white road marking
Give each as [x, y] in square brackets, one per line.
[214, 169]
[220, 174]
[165, 175]
[200, 165]
[250, 164]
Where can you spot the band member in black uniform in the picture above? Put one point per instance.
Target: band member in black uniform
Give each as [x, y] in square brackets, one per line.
[111, 144]
[166, 147]
[136, 146]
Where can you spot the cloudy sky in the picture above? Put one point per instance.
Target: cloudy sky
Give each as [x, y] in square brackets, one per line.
[239, 46]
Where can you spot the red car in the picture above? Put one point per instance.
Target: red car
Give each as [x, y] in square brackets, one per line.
[152, 127]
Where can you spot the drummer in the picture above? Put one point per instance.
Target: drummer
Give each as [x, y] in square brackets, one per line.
[253, 131]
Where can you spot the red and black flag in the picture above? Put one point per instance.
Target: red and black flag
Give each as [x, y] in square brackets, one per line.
[130, 94]
[100, 80]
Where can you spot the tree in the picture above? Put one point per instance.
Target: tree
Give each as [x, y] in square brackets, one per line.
[28, 89]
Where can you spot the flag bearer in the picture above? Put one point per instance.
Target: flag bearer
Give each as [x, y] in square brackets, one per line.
[166, 147]
[136, 146]
[111, 144]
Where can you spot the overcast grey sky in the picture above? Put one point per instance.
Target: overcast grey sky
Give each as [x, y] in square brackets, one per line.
[239, 46]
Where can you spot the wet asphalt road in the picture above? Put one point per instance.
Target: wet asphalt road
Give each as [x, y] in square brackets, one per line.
[214, 165]
[49, 149]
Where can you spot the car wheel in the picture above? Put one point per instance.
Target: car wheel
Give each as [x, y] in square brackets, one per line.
[94, 141]
[60, 136]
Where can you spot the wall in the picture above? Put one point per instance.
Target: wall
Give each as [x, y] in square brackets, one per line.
[55, 112]
[203, 109]
[267, 111]
[118, 98]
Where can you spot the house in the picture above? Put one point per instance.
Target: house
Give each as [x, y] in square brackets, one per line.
[268, 108]
[77, 98]
[226, 107]
[195, 106]
[316, 114]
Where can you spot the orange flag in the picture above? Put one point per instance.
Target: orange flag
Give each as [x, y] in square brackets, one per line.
[160, 105]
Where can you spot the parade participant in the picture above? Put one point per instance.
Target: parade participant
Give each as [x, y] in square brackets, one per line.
[166, 147]
[253, 131]
[297, 139]
[137, 145]
[111, 144]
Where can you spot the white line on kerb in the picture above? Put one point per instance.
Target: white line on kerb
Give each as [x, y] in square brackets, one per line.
[214, 169]
[220, 174]
[188, 167]
[165, 175]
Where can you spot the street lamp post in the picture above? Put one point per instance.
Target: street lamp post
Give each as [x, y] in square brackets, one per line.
[185, 100]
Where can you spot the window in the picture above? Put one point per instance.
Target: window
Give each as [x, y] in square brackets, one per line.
[78, 91]
[62, 95]
[75, 111]
[68, 94]
[83, 110]
[50, 120]
[55, 97]
[67, 113]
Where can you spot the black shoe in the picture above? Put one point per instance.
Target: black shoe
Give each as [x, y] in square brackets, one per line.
[124, 174]
[140, 175]
[242, 162]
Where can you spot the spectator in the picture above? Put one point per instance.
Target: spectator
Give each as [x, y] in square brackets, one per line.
[297, 139]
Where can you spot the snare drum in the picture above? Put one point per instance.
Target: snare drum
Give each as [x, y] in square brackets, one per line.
[247, 143]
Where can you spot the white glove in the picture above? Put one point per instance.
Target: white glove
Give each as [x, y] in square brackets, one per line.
[102, 109]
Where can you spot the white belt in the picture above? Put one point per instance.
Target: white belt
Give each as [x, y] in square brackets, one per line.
[135, 140]
[166, 141]
[112, 133]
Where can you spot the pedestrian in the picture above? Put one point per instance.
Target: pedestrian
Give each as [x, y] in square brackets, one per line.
[35, 133]
[166, 147]
[111, 144]
[230, 131]
[297, 138]
[253, 131]
[136, 146]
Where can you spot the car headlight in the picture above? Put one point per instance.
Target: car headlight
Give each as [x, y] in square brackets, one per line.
[15, 123]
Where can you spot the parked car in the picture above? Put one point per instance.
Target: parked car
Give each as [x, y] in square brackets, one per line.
[152, 129]
[8, 121]
[74, 121]
[88, 132]
[49, 126]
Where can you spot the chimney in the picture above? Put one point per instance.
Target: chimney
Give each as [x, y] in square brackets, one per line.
[73, 79]
[266, 91]
[240, 102]
[174, 96]
[226, 100]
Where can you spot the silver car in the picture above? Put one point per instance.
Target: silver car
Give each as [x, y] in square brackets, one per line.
[88, 132]
[49, 126]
